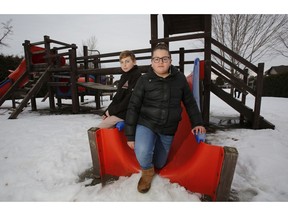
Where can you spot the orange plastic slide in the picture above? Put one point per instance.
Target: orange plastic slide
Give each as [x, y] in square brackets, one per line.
[197, 167]
[16, 74]
[6, 84]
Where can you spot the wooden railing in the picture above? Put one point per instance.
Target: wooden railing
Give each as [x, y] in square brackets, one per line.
[212, 51]
[239, 82]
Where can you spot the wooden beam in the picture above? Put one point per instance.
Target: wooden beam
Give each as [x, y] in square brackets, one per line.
[207, 70]
[154, 30]
[74, 89]
[94, 150]
[258, 97]
[227, 173]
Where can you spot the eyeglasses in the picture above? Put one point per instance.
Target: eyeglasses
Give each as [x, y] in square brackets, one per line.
[164, 59]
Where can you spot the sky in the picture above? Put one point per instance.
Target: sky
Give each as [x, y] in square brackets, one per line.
[43, 154]
[125, 26]
[112, 32]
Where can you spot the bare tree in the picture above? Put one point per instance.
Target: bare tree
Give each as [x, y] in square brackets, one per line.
[283, 41]
[7, 30]
[250, 35]
[91, 43]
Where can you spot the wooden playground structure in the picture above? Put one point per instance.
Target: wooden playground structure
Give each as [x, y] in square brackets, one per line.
[59, 67]
[55, 64]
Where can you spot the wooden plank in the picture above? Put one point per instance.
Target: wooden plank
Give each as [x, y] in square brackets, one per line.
[231, 64]
[94, 151]
[235, 82]
[97, 86]
[227, 173]
[54, 84]
[178, 38]
[235, 55]
[177, 24]
[104, 179]
[109, 71]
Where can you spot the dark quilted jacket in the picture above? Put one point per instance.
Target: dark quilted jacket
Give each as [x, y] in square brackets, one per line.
[127, 82]
[156, 103]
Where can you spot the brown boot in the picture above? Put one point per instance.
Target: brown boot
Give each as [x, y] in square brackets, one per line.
[144, 183]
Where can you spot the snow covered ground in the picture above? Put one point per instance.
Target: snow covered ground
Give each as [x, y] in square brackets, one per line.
[43, 154]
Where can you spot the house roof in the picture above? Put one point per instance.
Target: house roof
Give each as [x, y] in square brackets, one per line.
[279, 69]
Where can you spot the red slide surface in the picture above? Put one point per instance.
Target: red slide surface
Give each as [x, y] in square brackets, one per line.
[197, 167]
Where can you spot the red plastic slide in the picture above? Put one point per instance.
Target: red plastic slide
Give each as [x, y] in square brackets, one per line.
[8, 82]
[196, 166]
[16, 74]
[4, 86]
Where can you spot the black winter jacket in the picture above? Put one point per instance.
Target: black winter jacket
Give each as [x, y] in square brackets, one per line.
[156, 103]
[127, 82]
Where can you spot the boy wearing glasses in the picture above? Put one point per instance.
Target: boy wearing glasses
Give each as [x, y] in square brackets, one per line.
[116, 111]
[154, 112]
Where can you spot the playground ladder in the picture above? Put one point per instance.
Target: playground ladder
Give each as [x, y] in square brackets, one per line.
[247, 112]
[32, 90]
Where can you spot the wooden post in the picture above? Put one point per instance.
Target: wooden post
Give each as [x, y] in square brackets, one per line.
[207, 77]
[33, 98]
[227, 173]
[259, 89]
[85, 54]
[94, 151]
[166, 33]
[86, 66]
[243, 100]
[33, 103]
[73, 75]
[28, 56]
[49, 62]
[181, 59]
[28, 59]
[154, 29]
[96, 64]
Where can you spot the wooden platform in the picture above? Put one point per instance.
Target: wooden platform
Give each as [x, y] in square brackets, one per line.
[99, 89]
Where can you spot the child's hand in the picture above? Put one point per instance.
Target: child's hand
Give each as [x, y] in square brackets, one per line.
[198, 129]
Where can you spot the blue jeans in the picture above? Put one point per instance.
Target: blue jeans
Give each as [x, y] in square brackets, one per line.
[151, 148]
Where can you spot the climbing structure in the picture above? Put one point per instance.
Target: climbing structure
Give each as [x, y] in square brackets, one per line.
[36, 70]
[52, 65]
[176, 28]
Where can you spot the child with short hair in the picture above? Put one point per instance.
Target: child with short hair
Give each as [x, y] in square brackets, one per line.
[154, 113]
[117, 109]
